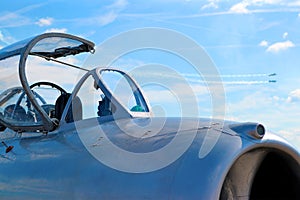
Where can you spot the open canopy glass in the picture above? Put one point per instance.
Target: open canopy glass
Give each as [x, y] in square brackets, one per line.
[26, 72]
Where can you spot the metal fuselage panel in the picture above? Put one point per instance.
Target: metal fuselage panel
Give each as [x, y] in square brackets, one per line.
[59, 165]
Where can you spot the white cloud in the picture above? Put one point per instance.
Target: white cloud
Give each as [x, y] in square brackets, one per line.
[38, 69]
[112, 15]
[17, 18]
[13, 20]
[243, 6]
[280, 46]
[293, 3]
[285, 34]
[108, 15]
[45, 21]
[44, 70]
[211, 4]
[57, 30]
[264, 43]
[291, 135]
[294, 96]
[263, 2]
[276, 98]
[6, 39]
[240, 8]
[271, 110]
[118, 5]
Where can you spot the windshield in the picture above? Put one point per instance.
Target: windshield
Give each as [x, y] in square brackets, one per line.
[124, 90]
[13, 49]
[9, 73]
[56, 47]
[16, 109]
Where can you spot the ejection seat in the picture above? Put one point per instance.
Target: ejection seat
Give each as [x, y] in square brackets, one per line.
[75, 110]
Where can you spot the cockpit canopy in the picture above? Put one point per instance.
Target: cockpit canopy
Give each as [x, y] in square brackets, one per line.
[38, 75]
[26, 70]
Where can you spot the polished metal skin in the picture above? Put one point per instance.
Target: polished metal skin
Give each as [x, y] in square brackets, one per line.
[73, 157]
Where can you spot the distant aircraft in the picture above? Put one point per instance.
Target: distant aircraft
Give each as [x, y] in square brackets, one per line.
[99, 143]
[273, 74]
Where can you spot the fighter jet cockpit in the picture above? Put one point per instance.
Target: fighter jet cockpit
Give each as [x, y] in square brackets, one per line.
[38, 74]
[44, 86]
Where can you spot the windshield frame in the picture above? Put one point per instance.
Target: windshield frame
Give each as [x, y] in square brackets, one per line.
[121, 110]
[106, 89]
[23, 49]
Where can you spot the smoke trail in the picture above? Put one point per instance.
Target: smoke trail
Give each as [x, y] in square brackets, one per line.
[231, 82]
[253, 79]
[234, 75]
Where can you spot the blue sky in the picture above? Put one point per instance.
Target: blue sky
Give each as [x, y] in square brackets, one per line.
[256, 37]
